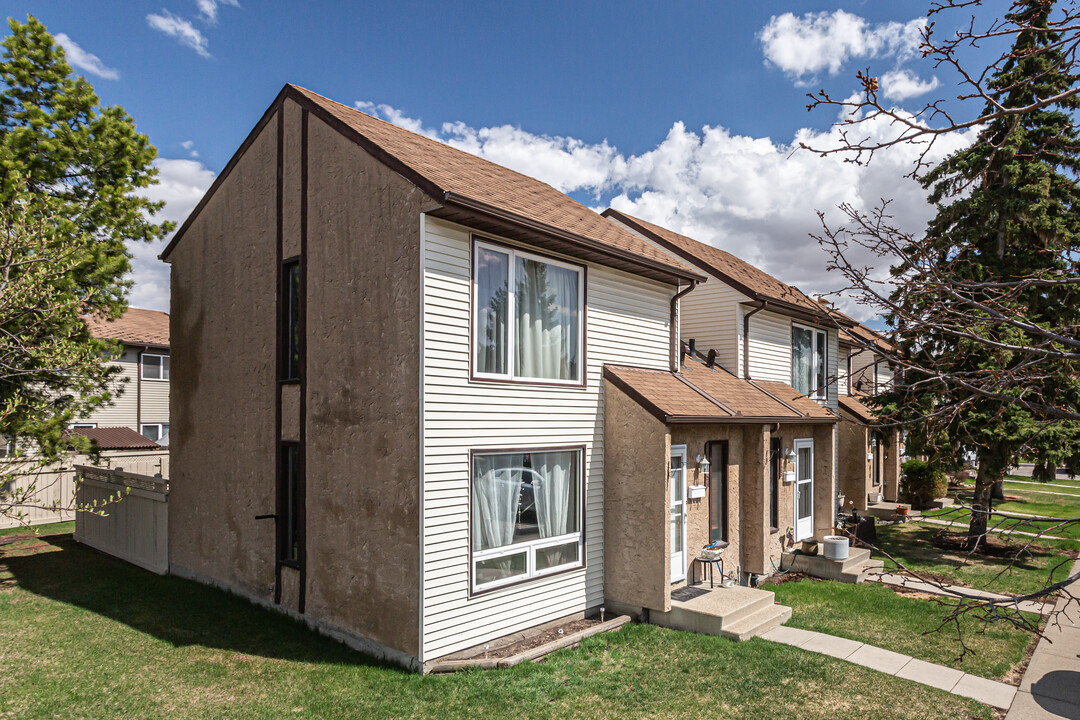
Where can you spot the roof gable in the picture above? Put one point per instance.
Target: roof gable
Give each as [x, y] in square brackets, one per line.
[453, 177]
[741, 275]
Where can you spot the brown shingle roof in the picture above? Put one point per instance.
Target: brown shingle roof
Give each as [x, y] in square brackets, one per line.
[701, 394]
[744, 277]
[455, 177]
[116, 438]
[854, 407]
[136, 326]
[865, 335]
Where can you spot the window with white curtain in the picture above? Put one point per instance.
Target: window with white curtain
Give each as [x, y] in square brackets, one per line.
[809, 356]
[527, 319]
[526, 515]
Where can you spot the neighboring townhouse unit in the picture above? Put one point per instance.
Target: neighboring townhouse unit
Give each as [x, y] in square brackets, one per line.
[140, 394]
[389, 390]
[869, 455]
[756, 398]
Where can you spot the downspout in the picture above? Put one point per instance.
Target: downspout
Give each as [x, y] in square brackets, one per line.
[746, 337]
[674, 327]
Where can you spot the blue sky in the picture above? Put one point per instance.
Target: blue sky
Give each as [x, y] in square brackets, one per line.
[679, 112]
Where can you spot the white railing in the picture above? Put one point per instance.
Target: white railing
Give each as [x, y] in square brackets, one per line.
[135, 528]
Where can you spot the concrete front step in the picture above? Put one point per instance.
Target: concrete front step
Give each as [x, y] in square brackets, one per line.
[852, 570]
[737, 612]
[757, 624]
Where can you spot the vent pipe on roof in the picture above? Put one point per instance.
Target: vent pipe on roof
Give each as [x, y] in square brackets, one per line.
[693, 348]
[711, 362]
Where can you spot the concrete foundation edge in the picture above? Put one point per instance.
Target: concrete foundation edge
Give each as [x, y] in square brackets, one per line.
[359, 643]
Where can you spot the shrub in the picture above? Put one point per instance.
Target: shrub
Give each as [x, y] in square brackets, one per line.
[921, 482]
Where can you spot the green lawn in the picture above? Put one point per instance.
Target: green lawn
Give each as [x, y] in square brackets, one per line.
[877, 615]
[86, 636]
[912, 544]
[1025, 499]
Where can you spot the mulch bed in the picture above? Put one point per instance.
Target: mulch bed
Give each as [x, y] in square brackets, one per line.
[540, 638]
[779, 579]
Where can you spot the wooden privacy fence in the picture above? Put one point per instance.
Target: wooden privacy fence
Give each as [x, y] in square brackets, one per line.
[136, 528]
[52, 487]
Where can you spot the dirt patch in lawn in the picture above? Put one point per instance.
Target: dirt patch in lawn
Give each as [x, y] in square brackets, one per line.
[1016, 675]
[989, 546]
[779, 579]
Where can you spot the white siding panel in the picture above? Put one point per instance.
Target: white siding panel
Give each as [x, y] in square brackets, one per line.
[841, 371]
[121, 410]
[770, 347]
[627, 322]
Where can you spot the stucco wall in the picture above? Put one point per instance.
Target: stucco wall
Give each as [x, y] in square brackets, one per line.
[223, 329]
[357, 411]
[636, 539]
[853, 468]
[363, 374]
[697, 520]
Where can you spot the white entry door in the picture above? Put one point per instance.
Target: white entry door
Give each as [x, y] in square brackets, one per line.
[678, 513]
[804, 489]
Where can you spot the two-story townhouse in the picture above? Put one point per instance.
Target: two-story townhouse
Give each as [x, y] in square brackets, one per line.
[869, 455]
[764, 356]
[388, 390]
[140, 393]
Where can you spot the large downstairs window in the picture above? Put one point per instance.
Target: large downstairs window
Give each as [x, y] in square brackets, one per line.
[526, 515]
[527, 317]
[808, 360]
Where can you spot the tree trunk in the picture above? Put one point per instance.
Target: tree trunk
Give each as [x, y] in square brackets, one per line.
[980, 502]
[997, 490]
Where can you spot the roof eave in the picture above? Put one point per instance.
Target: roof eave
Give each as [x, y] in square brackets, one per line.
[606, 255]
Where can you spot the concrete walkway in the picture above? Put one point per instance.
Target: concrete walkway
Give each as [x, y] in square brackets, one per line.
[910, 583]
[957, 682]
[1007, 531]
[1051, 685]
[1042, 484]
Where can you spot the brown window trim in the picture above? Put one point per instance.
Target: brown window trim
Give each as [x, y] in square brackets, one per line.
[581, 448]
[473, 378]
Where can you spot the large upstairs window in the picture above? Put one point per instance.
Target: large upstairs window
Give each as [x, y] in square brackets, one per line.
[527, 317]
[809, 359]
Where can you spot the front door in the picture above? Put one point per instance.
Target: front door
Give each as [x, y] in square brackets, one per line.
[678, 512]
[804, 489]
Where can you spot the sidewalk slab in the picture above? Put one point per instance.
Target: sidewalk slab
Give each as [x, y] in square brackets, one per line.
[1053, 676]
[1027, 707]
[939, 676]
[831, 645]
[789, 636]
[876, 658]
[1063, 641]
[988, 692]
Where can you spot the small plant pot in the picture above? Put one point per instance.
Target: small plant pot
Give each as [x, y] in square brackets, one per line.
[902, 510]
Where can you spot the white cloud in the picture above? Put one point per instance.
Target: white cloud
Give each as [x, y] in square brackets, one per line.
[901, 84]
[181, 184]
[176, 27]
[750, 196]
[804, 46]
[84, 60]
[208, 9]
[189, 145]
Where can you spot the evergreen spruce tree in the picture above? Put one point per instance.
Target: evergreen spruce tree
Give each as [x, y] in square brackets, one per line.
[70, 176]
[1008, 210]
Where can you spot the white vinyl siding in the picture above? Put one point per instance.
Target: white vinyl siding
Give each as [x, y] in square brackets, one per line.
[710, 315]
[884, 375]
[841, 371]
[770, 346]
[123, 410]
[862, 371]
[626, 323]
